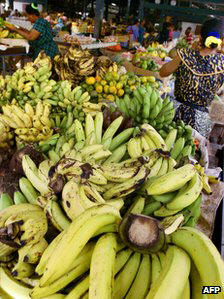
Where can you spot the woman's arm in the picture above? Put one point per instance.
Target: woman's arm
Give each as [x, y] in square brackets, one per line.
[170, 67]
[31, 35]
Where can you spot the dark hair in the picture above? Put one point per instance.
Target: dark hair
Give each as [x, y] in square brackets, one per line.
[32, 11]
[212, 25]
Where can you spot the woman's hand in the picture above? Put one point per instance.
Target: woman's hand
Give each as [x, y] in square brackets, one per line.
[10, 26]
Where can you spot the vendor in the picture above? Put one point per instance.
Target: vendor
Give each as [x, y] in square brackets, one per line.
[199, 76]
[40, 36]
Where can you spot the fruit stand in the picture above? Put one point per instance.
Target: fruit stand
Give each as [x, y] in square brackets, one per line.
[103, 193]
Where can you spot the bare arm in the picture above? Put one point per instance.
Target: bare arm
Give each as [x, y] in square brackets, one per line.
[33, 34]
[170, 67]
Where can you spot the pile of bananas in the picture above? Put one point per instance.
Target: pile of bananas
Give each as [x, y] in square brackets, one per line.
[28, 83]
[6, 136]
[22, 231]
[146, 106]
[74, 266]
[29, 125]
[74, 65]
[179, 140]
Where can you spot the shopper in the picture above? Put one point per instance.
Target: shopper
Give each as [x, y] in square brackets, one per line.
[188, 35]
[40, 36]
[141, 32]
[164, 34]
[199, 76]
[134, 29]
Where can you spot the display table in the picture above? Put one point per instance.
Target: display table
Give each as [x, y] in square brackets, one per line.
[11, 52]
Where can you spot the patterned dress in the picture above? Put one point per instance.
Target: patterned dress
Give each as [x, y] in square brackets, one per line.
[45, 41]
[198, 79]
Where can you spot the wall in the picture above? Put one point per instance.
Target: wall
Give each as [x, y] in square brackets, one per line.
[20, 6]
[185, 25]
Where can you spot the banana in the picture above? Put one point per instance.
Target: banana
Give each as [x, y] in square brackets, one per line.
[89, 130]
[125, 278]
[92, 193]
[101, 155]
[80, 289]
[31, 172]
[116, 155]
[56, 215]
[5, 201]
[171, 164]
[186, 195]
[71, 201]
[178, 147]
[19, 198]
[47, 253]
[187, 291]
[171, 181]
[22, 270]
[196, 284]
[121, 259]
[32, 253]
[167, 281]
[165, 198]
[170, 139]
[125, 188]
[119, 175]
[9, 122]
[194, 241]
[134, 147]
[78, 268]
[121, 138]
[141, 284]
[156, 167]
[12, 286]
[98, 125]
[7, 111]
[154, 136]
[164, 167]
[77, 235]
[137, 207]
[22, 115]
[112, 129]
[164, 212]
[101, 279]
[156, 268]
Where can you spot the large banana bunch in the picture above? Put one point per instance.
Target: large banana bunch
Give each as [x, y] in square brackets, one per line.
[6, 136]
[74, 65]
[179, 139]
[22, 227]
[108, 268]
[29, 125]
[146, 106]
[87, 142]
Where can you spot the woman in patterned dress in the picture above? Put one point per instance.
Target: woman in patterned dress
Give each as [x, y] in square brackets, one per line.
[40, 37]
[199, 76]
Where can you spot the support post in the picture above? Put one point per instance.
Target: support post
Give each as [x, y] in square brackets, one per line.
[141, 9]
[128, 8]
[99, 11]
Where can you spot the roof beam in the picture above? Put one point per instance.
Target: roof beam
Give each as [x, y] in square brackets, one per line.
[186, 10]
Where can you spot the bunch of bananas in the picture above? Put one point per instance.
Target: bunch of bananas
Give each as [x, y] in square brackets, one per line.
[179, 139]
[74, 65]
[28, 84]
[106, 268]
[4, 33]
[29, 125]
[87, 142]
[6, 136]
[146, 106]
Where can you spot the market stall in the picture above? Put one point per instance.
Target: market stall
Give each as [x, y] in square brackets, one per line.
[103, 192]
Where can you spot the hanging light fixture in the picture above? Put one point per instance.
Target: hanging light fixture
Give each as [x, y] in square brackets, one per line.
[157, 1]
[173, 2]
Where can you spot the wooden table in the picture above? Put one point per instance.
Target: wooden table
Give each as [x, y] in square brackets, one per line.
[11, 52]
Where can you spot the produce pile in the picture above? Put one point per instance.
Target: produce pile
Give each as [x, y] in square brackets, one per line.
[146, 63]
[94, 207]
